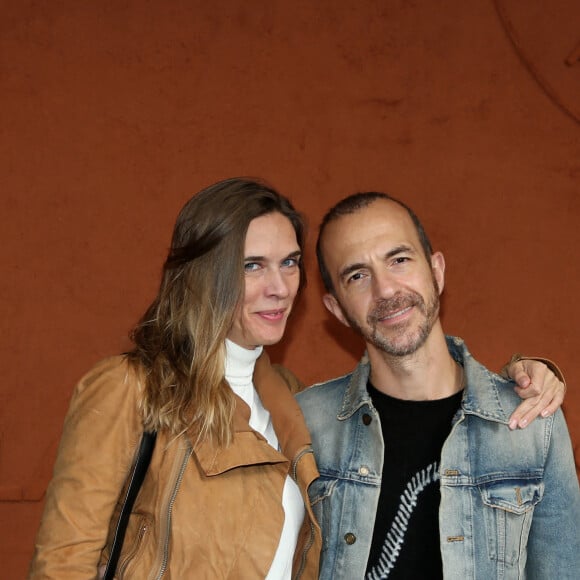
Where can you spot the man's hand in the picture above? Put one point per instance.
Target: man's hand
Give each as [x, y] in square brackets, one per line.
[539, 386]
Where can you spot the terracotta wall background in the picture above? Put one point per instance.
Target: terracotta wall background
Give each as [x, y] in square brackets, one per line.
[113, 113]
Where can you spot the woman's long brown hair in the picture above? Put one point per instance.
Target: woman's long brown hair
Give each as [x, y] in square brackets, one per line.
[179, 341]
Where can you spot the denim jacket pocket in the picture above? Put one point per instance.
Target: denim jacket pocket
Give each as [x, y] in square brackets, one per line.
[508, 511]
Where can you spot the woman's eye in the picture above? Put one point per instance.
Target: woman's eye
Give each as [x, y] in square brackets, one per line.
[290, 262]
[251, 266]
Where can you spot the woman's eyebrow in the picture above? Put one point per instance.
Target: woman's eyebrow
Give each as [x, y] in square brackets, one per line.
[295, 254]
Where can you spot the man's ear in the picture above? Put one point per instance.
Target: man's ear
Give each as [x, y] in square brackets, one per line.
[438, 267]
[334, 308]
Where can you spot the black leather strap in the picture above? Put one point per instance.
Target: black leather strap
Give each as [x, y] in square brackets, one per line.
[136, 478]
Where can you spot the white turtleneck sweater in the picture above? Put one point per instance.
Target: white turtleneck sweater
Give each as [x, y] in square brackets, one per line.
[240, 364]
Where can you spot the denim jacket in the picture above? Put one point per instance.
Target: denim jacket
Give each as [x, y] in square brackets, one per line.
[510, 502]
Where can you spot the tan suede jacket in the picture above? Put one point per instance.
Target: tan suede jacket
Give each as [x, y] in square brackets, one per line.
[203, 512]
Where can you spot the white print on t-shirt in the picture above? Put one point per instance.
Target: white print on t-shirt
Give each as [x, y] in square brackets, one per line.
[396, 535]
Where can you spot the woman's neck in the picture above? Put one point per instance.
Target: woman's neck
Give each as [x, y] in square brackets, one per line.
[239, 369]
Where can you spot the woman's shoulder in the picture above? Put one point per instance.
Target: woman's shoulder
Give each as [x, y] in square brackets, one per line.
[111, 384]
[116, 367]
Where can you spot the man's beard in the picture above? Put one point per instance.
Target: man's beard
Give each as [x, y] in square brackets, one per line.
[402, 341]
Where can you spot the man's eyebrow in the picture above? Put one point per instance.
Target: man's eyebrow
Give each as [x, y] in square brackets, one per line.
[398, 250]
[402, 248]
[349, 269]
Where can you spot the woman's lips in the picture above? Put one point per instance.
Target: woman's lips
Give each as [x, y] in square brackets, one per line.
[272, 315]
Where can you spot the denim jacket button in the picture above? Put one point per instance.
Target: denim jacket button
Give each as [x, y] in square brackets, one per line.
[366, 419]
[349, 538]
[363, 470]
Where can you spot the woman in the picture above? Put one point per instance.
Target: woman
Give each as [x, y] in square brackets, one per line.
[225, 494]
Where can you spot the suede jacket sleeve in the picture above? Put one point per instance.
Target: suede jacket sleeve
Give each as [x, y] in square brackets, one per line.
[101, 431]
[549, 363]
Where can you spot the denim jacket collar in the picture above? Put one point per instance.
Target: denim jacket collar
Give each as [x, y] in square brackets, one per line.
[356, 394]
[483, 401]
[481, 396]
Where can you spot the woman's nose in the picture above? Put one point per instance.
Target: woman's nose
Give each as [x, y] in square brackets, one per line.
[277, 284]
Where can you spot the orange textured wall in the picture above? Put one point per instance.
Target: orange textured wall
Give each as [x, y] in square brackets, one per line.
[114, 113]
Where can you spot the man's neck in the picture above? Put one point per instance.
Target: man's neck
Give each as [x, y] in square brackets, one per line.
[430, 373]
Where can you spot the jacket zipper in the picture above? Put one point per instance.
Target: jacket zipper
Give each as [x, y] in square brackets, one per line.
[123, 566]
[169, 510]
[308, 545]
[297, 459]
[300, 570]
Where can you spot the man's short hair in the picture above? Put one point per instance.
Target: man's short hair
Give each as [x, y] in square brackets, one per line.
[352, 204]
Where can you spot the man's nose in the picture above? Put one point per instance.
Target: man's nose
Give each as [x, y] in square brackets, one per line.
[384, 285]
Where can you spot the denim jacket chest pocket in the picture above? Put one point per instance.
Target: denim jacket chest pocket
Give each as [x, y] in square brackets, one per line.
[508, 510]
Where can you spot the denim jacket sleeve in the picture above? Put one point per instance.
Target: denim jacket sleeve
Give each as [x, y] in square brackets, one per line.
[554, 540]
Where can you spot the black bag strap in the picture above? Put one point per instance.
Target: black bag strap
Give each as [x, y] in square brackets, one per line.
[136, 478]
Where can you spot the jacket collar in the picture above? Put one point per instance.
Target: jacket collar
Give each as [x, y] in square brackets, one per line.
[249, 447]
[482, 391]
[287, 418]
[481, 396]
[356, 394]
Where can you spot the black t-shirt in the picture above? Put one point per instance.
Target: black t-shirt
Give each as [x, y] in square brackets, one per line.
[405, 542]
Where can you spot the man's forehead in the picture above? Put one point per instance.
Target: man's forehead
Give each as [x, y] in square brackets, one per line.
[382, 229]
[379, 220]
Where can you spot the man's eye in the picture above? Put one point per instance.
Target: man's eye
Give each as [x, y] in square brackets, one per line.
[354, 277]
[401, 260]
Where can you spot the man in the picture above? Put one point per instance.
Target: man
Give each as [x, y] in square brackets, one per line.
[421, 475]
